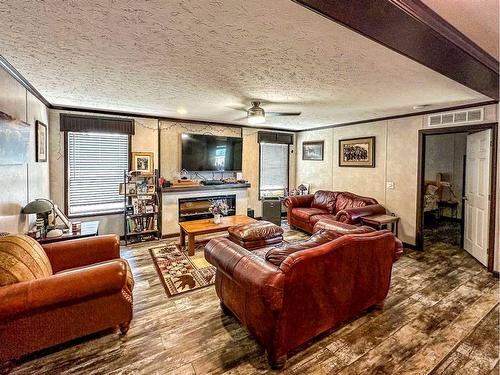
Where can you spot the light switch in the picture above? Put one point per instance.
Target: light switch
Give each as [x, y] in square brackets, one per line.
[390, 184]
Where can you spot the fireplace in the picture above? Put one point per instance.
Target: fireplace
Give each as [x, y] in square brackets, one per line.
[198, 208]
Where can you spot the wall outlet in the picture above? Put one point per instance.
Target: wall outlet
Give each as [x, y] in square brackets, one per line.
[390, 184]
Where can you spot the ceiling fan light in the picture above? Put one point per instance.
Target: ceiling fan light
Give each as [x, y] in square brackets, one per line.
[256, 119]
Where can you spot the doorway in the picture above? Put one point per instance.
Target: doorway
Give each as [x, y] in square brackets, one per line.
[457, 189]
[444, 184]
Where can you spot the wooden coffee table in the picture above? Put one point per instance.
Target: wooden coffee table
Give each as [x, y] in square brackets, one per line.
[206, 226]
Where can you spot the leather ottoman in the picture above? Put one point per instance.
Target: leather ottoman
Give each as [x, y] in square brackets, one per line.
[256, 235]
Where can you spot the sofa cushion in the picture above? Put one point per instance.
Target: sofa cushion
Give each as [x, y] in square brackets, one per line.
[277, 255]
[348, 200]
[305, 213]
[22, 259]
[261, 230]
[315, 218]
[324, 200]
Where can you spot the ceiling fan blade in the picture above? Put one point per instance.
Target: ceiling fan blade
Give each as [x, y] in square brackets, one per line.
[275, 114]
[242, 108]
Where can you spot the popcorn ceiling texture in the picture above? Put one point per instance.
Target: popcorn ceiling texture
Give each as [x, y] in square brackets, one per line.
[154, 57]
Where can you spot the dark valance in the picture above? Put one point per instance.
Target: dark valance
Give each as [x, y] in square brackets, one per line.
[94, 124]
[275, 137]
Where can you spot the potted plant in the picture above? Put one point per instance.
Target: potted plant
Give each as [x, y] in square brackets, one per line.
[218, 208]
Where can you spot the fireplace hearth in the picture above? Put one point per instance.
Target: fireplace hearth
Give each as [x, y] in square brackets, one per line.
[198, 208]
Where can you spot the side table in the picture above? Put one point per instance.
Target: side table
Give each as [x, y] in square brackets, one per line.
[381, 221]
[88, 229]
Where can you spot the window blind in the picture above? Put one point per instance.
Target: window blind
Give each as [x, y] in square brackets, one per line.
[273, 167]
[95, 170]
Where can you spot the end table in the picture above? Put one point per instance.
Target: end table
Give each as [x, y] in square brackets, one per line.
[381, 221]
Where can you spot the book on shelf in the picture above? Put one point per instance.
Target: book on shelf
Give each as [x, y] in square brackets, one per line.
[141, 224]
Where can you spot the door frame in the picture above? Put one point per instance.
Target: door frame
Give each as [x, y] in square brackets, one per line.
[422, 134]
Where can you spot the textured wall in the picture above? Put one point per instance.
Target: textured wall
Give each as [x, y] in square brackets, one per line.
[145, 139]
[21, 183]
[396, 161]
[317, 173]
[171, 153]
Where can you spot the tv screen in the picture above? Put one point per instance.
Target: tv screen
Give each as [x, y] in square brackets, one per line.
[211, 153]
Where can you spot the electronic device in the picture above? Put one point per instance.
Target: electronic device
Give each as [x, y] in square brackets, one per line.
[211, 153]
[212, 182]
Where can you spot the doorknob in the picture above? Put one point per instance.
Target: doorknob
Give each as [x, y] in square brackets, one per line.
[464, 198]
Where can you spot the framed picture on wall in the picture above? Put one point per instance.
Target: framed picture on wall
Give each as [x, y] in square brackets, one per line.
[143, 162]
[313, 150]
[41, 141]
[357, 152]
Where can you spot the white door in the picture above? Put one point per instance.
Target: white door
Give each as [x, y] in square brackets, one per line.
[477, 195]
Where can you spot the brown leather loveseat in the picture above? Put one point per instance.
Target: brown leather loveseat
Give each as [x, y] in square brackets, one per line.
[306, 210]
[287, 295]
[59, 292]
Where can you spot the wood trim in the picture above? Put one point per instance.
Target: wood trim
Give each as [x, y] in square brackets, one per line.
[395, 117]
[425, 38]
[426, 15]
[23, 81]
[493, 180]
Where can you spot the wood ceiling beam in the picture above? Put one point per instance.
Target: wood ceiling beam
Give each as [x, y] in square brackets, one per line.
[414, 30]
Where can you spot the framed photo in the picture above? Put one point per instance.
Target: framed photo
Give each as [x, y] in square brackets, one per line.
[313, 150]
[142, 162]
[41, 141]
[357, 152]
[131, 188]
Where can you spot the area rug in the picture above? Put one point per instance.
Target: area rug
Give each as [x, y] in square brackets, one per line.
[179, 272]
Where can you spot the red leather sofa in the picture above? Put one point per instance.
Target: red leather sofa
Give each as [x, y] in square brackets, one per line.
[306, 210]
[287, 295]
[88, 288]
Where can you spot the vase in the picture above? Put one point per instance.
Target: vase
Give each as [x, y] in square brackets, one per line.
[217, 218]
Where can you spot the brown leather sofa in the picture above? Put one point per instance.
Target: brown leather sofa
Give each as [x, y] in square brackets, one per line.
[84, 288]
[306, 210]
[287, 295]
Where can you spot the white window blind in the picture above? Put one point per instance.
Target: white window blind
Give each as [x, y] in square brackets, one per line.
[273, 168]
[95, 170]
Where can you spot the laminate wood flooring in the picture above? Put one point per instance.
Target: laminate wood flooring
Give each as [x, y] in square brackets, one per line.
[440, 317]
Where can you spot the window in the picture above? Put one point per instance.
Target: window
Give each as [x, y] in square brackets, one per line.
[273, 169]
[96, 162]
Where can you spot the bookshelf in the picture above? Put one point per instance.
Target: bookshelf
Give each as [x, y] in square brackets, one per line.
[142, 221]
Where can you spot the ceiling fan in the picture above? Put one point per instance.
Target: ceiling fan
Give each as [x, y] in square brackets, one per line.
[257, 115]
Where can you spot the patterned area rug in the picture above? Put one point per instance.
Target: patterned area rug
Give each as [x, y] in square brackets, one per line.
[179, 272]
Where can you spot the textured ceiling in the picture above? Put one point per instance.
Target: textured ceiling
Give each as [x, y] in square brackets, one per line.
[477, 19]
[157, 57]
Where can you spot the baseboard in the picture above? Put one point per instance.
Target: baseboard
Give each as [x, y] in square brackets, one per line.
[171, 235]
[409, 246]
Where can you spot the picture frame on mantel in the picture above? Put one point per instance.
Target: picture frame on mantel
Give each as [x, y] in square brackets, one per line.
[40, 141]
[357, 152]
[313, 150]
[143, 162]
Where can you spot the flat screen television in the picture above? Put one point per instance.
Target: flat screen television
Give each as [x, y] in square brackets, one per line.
[211, 153]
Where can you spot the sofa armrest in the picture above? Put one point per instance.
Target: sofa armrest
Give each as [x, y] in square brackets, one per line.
[340, 228]
[246, 269]
[298, 201]
[81, 252]
[62, 289]
[353, 215]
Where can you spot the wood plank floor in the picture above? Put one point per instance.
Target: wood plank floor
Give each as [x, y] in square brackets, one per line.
[441, 317]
